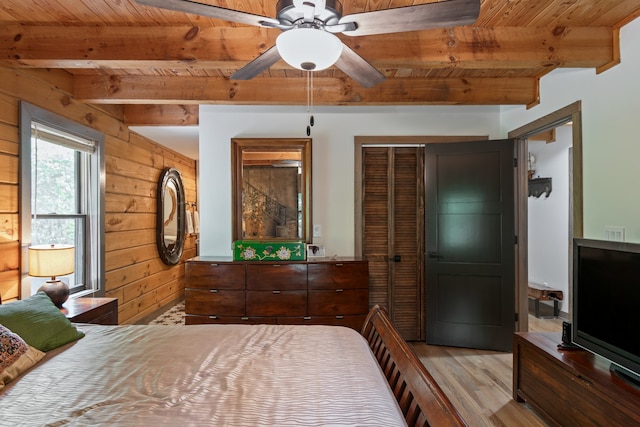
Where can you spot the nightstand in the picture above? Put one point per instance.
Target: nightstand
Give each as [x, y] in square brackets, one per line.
[103, 311]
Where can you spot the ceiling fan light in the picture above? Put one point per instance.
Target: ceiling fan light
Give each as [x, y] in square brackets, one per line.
[309, 49]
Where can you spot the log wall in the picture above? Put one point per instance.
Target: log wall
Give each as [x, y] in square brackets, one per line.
[134, 272]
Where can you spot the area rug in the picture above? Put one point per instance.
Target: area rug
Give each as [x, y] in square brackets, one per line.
[173, 316]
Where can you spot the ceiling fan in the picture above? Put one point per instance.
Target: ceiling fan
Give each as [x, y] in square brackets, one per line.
[308, 41]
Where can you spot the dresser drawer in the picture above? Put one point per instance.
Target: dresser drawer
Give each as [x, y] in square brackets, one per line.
[276, 303]
[256, 320]
[198, 319]
[276, 277]
[214, 302]
[214, 276]
[338, 275]
[354, 321]
[293, 320]
[338, 302]
[102, 311]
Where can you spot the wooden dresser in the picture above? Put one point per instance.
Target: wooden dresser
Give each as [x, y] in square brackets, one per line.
[324, 291]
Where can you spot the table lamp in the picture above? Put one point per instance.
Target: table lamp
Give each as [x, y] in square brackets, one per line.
[51, 261]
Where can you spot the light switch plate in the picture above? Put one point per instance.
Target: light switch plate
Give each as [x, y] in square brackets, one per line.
[614, 233]
[317, 230]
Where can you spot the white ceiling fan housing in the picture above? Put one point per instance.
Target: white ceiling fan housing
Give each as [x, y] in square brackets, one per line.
[309, 49]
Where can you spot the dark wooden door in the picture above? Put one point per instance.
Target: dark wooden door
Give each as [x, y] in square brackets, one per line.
[470, 260]
[393, 233]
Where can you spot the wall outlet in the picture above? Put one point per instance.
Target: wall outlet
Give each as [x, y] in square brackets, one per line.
[317, 230]
[614, 233]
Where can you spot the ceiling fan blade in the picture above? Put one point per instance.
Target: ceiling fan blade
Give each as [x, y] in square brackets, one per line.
[358, 68]
[450, 13]
[258, 65]
[189, 6]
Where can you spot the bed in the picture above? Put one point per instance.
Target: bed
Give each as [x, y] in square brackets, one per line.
[228, 375]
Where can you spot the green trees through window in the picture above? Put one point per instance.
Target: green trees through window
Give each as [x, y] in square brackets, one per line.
[63, 193]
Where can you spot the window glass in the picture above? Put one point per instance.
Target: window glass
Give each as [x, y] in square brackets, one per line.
[54, 177]
[58, 215]
[63, 194]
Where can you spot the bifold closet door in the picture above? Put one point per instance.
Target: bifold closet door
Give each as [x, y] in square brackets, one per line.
[393, 235]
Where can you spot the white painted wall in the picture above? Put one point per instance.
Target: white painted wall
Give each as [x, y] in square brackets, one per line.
[549, 216]
[611, 145]
[333, 157]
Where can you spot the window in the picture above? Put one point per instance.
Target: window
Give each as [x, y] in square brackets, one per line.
[62, 193]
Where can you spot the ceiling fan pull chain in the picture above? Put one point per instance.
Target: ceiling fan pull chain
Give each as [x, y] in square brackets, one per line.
[309, 92]
[309, 100]
[311, 121]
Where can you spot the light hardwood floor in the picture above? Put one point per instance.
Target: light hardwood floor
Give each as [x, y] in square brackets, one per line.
[479, 382]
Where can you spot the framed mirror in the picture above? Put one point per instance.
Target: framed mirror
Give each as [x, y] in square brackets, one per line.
[271, 188]
[171, 221]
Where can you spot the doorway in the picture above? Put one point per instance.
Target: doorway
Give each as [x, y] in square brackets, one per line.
[549, 220]
[570, 113]
[393, 204]
[568, 116]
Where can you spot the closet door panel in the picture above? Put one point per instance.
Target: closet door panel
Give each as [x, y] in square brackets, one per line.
[393, 211]
[408, 241]
[376, 221]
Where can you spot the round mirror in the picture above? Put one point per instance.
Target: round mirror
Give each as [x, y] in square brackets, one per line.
[170, 233]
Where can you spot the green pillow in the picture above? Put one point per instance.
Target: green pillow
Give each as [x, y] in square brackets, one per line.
[39, 322]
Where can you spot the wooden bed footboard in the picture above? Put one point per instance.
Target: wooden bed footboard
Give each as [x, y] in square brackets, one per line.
[421, 399]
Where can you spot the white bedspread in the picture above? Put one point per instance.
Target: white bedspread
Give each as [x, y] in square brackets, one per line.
[205, 375]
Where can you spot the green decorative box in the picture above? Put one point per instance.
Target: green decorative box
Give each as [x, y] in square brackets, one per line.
[249, 250]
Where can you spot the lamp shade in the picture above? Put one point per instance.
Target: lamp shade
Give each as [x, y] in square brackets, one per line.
[309, 49]
[51, 260]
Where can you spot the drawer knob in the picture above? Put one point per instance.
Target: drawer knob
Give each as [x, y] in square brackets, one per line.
[213, 317]
[213, 291]
[244, 318]
[339, 290]
[276, 292]
[307, 317]
[339, 317]
[214, 265]
[339, 265]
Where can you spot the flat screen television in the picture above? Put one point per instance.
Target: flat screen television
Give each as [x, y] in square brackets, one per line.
[606, 303]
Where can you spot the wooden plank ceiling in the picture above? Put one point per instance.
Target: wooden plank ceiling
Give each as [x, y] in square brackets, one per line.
[161, 64]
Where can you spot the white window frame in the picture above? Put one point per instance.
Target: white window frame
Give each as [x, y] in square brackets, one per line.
[94, 256]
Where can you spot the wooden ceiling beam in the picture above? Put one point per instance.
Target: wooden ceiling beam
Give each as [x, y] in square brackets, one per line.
[292, 91]
[547, 136]
[162, 47]
[161, 114]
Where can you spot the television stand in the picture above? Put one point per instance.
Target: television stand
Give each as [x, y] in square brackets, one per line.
[570, 388]
[629, 378]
